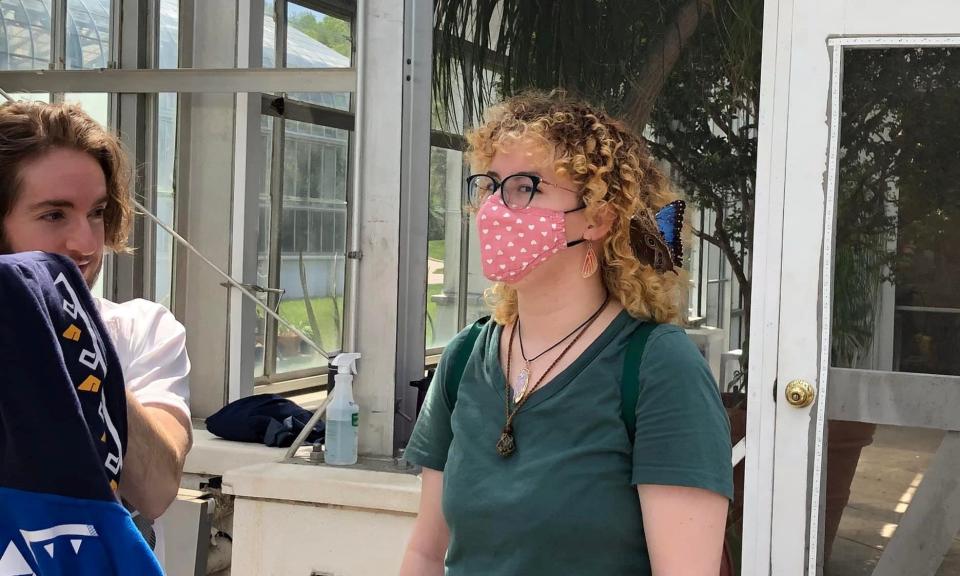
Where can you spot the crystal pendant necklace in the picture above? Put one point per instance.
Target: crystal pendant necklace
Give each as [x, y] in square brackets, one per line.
[523, 378]
[514, 400]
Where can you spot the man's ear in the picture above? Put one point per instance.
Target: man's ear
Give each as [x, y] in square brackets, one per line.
[602, 223]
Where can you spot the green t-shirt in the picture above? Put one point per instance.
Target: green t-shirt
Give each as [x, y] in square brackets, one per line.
[565, 502]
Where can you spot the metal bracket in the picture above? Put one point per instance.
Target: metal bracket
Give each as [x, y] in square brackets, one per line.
[355, 255]
[256, 288]
[279, 104]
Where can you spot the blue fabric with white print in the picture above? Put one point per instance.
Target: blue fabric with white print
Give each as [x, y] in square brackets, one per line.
[63, 429]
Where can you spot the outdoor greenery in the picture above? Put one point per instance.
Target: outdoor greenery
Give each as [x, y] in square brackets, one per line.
[437, 203]
[899, 186]
[617, 54]
[295, 312]
[705, 127]
[326, 30]
[436, 249]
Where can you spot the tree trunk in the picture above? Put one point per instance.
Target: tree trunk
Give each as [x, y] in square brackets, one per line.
[662, 55]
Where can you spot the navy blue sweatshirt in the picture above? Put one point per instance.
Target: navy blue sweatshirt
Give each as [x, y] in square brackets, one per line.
[63, 429]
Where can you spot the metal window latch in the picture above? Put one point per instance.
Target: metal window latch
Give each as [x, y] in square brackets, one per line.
[355, 255]
[257, 289]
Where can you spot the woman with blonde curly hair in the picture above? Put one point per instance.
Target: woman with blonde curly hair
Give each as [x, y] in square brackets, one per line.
[579, 432]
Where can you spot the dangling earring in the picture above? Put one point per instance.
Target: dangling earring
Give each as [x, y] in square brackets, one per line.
[590, 263]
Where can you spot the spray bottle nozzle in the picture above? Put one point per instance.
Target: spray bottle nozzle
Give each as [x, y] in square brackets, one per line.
[346, 362]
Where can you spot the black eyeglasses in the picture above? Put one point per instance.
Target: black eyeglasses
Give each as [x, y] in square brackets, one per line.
[517, 190]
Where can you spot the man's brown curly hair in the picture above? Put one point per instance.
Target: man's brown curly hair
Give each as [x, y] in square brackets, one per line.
[28, 130]
[615, 171]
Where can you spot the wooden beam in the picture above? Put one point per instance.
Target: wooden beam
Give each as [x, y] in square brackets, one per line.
[894, 398]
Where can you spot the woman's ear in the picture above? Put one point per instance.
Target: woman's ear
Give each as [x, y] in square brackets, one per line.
[602, 223]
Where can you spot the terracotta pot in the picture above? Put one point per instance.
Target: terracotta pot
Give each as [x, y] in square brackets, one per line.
[288, 345]
[845, 441]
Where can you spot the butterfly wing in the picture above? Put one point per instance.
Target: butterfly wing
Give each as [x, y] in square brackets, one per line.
[648, 244]
[670, 224]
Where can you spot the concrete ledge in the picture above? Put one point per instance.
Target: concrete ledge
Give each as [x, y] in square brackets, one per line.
[213, 456]
[326, 485]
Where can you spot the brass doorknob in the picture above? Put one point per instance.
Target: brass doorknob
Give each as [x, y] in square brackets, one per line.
[800, 394]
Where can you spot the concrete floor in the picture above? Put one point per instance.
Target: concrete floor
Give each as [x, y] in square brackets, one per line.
[887, 476]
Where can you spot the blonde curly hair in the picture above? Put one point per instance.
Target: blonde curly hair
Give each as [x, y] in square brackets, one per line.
[616, 173]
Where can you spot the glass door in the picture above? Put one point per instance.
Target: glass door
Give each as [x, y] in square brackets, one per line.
[857, 397]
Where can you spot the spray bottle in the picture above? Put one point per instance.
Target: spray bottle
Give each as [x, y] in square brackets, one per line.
[342, 414]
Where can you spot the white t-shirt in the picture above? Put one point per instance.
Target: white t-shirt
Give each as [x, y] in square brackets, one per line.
[152, 348]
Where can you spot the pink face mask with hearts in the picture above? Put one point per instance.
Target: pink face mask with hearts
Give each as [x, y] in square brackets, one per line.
[514, 242]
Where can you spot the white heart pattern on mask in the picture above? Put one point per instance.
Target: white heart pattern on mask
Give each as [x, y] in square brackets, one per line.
[508, 254]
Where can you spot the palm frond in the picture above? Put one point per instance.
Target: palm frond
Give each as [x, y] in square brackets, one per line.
[487, 49]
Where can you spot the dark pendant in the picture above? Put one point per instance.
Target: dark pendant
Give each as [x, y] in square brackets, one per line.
[506, 445]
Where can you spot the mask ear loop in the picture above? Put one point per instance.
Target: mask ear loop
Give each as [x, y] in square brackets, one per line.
[573, 243]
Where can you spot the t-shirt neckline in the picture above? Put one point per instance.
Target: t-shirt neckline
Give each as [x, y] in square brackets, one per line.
[497, 380]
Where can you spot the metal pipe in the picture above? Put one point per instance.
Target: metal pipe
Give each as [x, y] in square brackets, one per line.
[277, 169]
[274, 249]
[58, 35]
[354, 252]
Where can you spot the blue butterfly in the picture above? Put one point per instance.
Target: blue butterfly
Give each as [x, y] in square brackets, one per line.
[670, 222]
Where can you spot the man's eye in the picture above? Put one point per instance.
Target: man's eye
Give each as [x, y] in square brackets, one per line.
[99, 212]
[52, 216]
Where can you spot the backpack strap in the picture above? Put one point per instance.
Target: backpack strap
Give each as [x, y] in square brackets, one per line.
[630, 380]
[460, 358]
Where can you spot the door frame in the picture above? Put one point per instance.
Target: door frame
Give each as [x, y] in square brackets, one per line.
[797, 137]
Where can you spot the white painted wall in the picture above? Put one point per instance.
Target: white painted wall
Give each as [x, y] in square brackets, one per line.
[281, 539]
[292, 519]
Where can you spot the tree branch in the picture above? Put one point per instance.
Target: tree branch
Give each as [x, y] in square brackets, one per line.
[665, 153]
[704, 236]
[736, 262]
[661, 56]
